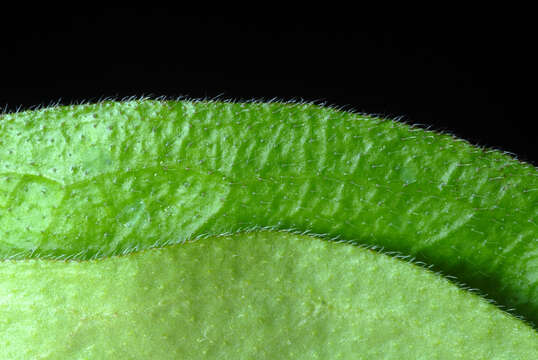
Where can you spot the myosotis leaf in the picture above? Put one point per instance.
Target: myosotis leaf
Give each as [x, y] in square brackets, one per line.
[260, 295]
[92, 181]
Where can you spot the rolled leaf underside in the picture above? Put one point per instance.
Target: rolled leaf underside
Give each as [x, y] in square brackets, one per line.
[263, 295]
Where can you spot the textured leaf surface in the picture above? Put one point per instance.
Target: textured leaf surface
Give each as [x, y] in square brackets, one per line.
[262, 295]
[93, 181]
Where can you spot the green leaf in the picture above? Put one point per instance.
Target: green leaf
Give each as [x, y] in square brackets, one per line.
[260, 295]
[93, 181]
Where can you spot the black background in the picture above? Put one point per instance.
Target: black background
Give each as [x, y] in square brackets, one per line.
[466, 73]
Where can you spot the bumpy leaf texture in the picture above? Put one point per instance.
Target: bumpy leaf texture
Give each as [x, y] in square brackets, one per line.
[99, 181]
